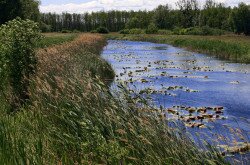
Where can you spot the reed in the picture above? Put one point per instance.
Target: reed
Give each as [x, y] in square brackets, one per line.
[72, 117]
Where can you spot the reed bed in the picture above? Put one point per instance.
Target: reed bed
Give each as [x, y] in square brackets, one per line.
[72, 118]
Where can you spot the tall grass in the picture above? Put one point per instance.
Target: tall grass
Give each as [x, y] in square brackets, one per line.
[232, 48]
[72, 118]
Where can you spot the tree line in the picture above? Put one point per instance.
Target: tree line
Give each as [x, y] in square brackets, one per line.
[186, 15]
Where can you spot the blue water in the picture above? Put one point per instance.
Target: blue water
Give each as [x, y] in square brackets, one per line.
[216, 82]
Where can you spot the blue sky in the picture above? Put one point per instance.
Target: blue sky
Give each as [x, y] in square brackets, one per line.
[81, 6]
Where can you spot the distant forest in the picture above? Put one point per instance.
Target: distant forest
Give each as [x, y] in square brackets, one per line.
[186, 15]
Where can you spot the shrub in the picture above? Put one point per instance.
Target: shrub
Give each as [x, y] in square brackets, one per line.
[44, 27]
[152, 29]
[205, 30]
[136, 31]
[124, 31]
[76, 31]
[17, 61]
[165, 32]
[176, 30]
[102, 30]
[66, 31]
[93, 31]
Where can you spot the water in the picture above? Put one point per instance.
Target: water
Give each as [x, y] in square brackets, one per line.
[182, 78]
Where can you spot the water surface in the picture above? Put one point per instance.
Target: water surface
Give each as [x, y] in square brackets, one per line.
[182, 78]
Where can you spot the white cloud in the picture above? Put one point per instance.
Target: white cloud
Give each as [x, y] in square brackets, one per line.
[97, 5]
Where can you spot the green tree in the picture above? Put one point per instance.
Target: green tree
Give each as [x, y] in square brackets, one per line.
[215, 15]
[163, 17]
[133, 23]
[152, 29]
[241, 19]
[190, 12]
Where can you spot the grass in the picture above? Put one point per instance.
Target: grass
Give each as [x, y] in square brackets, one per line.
[231, 47]
[50, 39]
[72, 118]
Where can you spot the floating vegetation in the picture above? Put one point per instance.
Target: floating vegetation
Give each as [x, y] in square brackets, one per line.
[238, 147]
[201, 115]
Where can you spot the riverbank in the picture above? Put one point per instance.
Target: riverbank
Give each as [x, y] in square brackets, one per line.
[234, 48]
[73, 119]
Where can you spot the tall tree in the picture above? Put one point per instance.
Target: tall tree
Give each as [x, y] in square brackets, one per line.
[190, 12]
[163, 17]
[215, 15]
[241, 19]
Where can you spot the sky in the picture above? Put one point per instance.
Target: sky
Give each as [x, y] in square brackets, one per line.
[81, 6]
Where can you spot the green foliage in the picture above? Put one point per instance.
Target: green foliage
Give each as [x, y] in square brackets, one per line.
[188, 15]
[215, 15]
[132, 31]
[133, 23]
[189, 12]
[93, 31]
[55, 39]
[136, 31]
[18, 62]
[45, 28]
[163, 17]
[152, 29]
[25, 9]
[241, 19]
[124, 31]
[164, 32]
[205, 30]
[76, 31]
[102, 30]
[66, 31]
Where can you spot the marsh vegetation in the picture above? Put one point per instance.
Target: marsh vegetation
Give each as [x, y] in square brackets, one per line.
[62, 103]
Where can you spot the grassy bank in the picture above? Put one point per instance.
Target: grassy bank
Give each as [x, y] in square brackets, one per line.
[50, 39]
[73, 119]
[234, 48]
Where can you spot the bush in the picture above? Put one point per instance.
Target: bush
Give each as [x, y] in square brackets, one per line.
[176, 31]
[102, 30]
[17, 61]
[136, 31]
[205, 30]
[45, 28]
[76, 31]
[124, 31]
[93, 31]
[165, 32]
[66, 31]
[152, 29]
